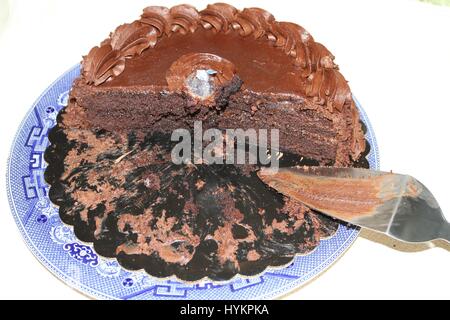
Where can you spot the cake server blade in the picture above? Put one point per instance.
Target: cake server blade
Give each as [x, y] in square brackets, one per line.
[394, 204]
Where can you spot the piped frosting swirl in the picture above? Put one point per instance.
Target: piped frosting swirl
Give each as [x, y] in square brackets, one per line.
[218, 17]
[224, 70]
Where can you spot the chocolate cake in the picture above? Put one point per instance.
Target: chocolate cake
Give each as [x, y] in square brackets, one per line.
[110, 167]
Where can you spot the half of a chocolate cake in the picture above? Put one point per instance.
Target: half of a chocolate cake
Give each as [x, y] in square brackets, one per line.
[110, 165]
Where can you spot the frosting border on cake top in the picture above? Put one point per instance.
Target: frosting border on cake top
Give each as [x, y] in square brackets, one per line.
[323, 81]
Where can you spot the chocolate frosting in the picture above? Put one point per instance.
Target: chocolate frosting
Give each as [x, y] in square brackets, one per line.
[323, 80]
[328, 87]
[218, 17]
[224, 70]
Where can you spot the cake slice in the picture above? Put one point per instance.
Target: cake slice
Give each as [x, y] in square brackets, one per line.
[269, 74]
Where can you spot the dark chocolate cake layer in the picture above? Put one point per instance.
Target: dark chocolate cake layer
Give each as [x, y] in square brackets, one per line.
[110, 167]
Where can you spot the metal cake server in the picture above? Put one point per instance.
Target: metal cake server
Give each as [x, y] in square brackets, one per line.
[396, 205]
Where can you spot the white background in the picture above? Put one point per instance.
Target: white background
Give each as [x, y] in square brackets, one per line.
[395, 54]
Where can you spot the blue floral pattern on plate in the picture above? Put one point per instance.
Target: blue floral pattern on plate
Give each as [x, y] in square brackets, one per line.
[77, 264]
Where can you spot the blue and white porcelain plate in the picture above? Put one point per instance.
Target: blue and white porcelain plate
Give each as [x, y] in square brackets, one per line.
[55, 246]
